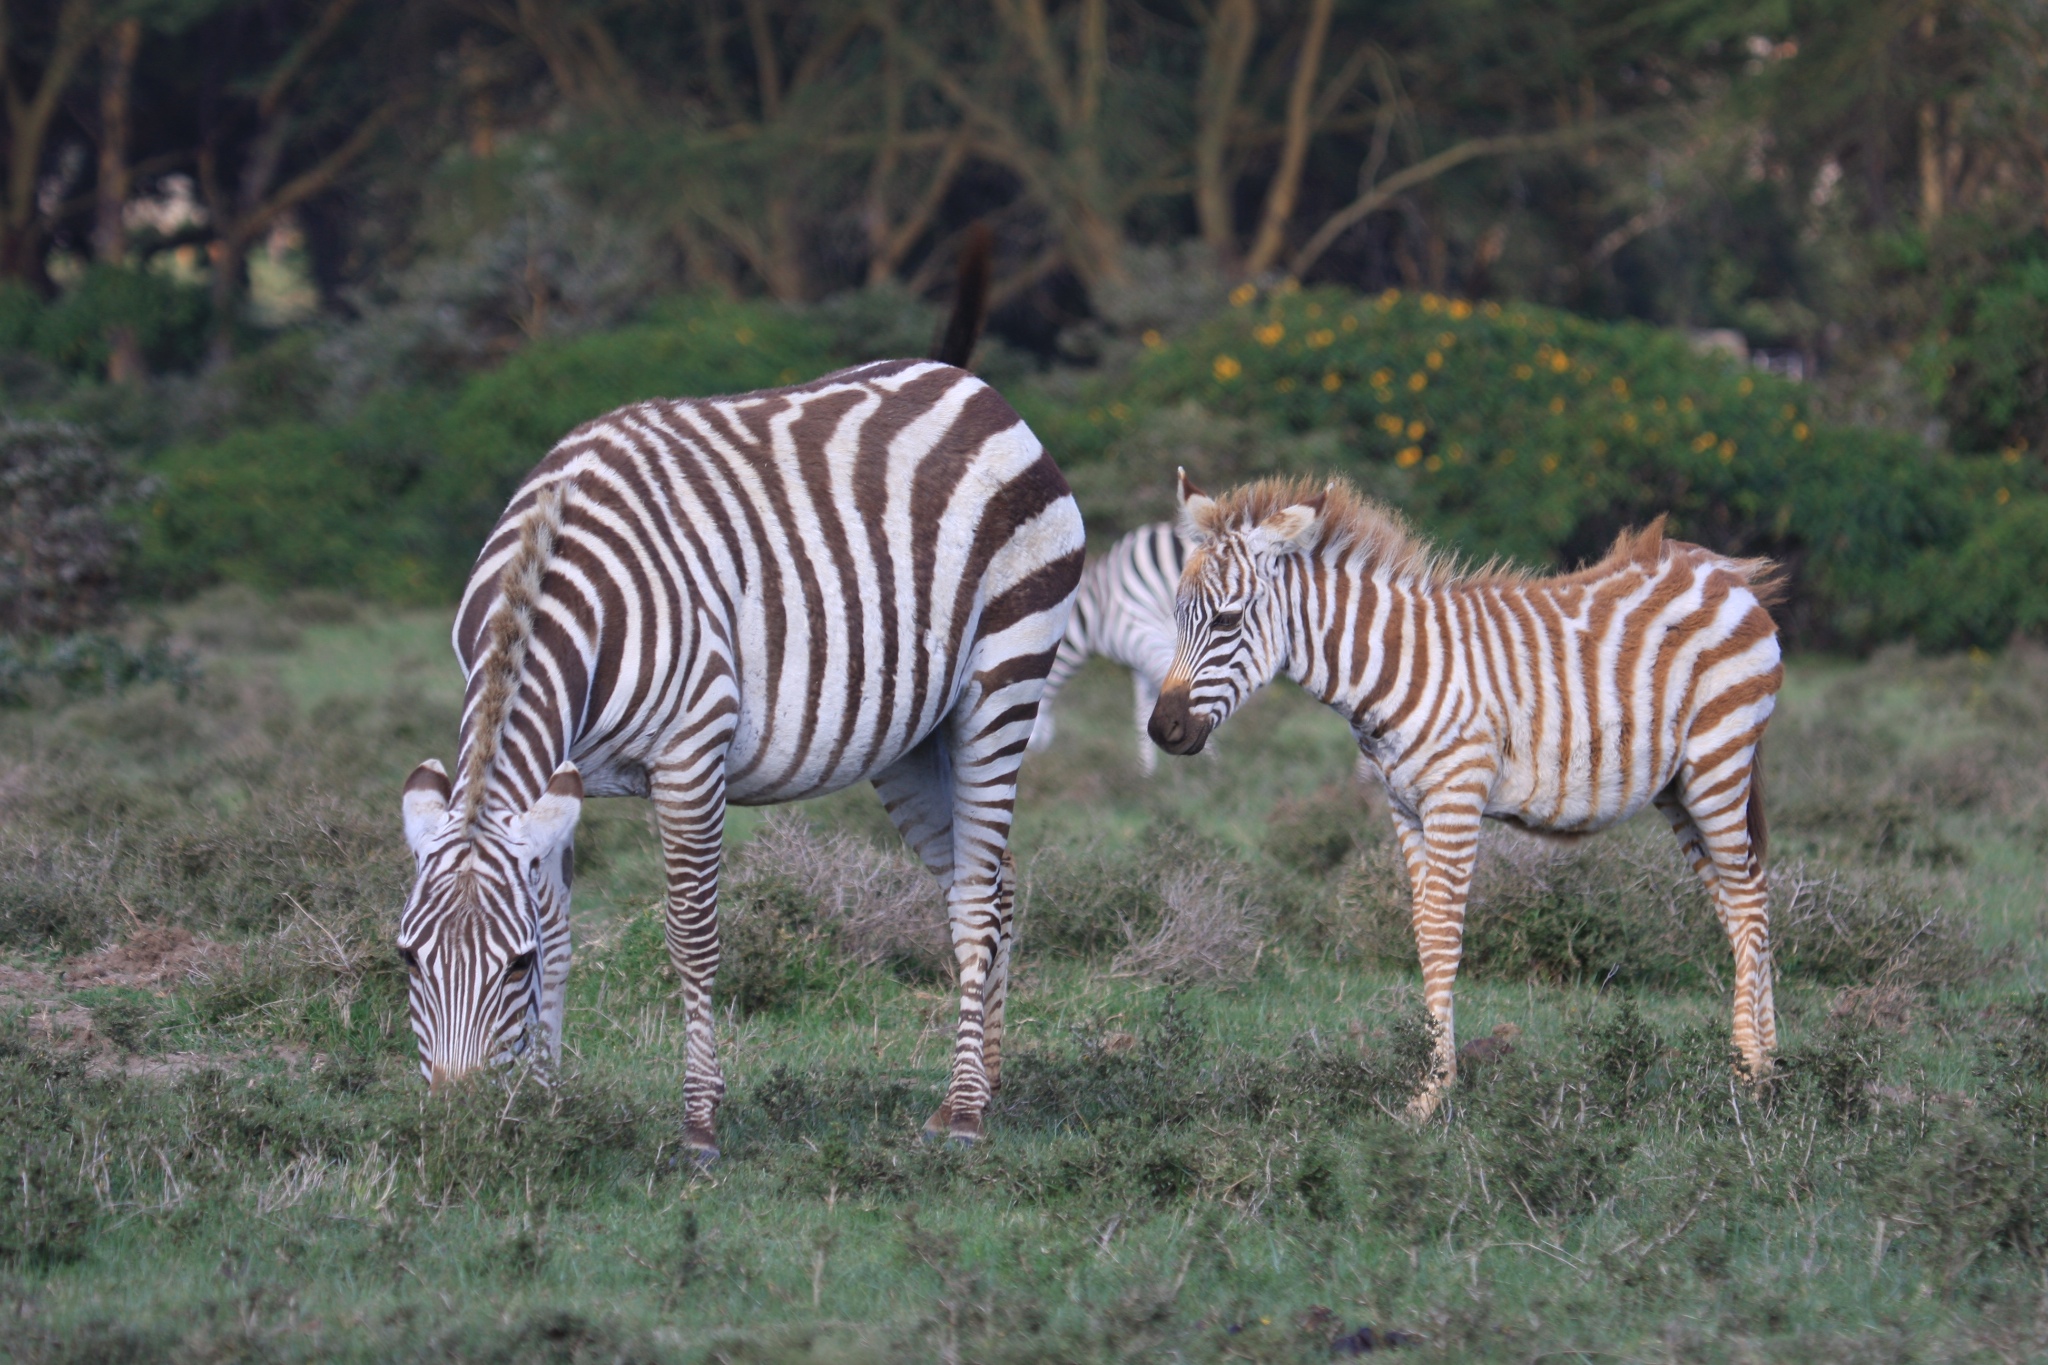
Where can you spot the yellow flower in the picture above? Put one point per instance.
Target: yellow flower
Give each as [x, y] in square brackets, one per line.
[1658, 404]
[1381, 378]
[1433, 464]
[1314, 310]
[1332, 382]
[1727, 451]
[1704, 441]
[1457, 453]
[1226, 367]
[1408, 457]
[1490, 308]
[1789, 411]
[1389, 423]
[1417, 382]
[1557, 405]
[1746, 386]
[1153, 341]
[1285, 383]
[1416, 430]
[1389, 299]
[1628, 421]
[1598, 447]
[1431, 303]
[1523, 372]
[1270, 334]
[1800, 431]
[1350, 323]
[1119, 411]
[1435, 360]
[1446, 340]
[1460, 309]
[1549, 463]
[1244, 294]
[1685, 404]
[2004, 496]
[1321, 337]
[1560, 362]
[1618, 387]
[2011, 454]
[744, 336]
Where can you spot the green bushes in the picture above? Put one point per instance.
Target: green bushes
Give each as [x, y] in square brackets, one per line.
[168, 321]
[395, 502]
[1529, 433]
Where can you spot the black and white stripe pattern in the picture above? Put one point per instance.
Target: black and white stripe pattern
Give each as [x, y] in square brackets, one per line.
[1123, 612]
[743, 600]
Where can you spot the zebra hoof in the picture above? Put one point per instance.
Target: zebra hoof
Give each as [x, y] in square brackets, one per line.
[937, 1125]
[701, 1146]
[965, 1130]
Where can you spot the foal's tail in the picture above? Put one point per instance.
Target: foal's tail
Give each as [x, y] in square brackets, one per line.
[970, 300]
[1759, 830]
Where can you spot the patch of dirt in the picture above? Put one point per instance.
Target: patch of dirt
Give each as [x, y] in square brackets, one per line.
[1885, 1007]
[28, 985]
[155, 957]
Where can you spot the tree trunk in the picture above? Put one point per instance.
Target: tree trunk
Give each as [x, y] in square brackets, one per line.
[118, 50]
[1286, 187]
[1229, 49]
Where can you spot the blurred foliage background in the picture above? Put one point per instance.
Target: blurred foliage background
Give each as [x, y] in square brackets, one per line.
[297, 289]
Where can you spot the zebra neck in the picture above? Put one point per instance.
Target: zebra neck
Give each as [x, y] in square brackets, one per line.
[1354, 634]
[533, 745]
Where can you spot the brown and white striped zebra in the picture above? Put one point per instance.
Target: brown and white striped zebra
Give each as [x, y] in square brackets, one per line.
[1561, 704]
[742, 600]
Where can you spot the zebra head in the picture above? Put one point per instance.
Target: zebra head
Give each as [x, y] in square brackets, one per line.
[1230, 619]
[470, 933]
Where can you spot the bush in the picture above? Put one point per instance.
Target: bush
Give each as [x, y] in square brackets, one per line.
[61, 543]
[168, 320]
[1529, 433]
[395, 501]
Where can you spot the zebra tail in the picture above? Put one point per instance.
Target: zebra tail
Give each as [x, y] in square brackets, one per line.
[970, 300]
[1759, 829]
[509, 630]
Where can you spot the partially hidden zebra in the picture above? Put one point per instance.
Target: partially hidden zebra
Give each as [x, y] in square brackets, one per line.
[1560, 704]
[1124, 613]
[742, 600]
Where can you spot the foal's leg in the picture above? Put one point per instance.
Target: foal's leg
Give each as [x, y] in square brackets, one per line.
[1440, 845]
[1716, 803]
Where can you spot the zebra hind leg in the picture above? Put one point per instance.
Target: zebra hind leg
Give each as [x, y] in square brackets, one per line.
[917, 792]
[1716, 803]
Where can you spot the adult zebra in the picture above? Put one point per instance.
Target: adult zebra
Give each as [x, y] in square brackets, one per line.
[1124, 612]
[742, 600]
[1560, 704]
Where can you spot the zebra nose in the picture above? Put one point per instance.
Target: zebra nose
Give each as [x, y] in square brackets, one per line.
[1174, 727]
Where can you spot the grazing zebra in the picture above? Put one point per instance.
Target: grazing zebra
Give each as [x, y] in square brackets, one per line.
[1560, 704]
[1124, 612]
[742, 600]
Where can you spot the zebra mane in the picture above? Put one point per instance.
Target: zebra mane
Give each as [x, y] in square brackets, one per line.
[508, 632]
[1349, 520]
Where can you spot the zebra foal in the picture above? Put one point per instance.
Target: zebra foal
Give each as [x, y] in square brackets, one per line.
[1560, 704]
[741, 600]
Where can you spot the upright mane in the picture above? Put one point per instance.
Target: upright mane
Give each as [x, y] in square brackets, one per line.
[508, 632]
[1351, 521]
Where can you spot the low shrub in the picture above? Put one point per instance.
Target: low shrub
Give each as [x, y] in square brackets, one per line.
[62, 545]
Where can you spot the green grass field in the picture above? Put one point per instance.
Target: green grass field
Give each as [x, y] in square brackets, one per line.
[216, 1146]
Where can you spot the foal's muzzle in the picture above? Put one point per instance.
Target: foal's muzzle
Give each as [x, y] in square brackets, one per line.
[1175, 727]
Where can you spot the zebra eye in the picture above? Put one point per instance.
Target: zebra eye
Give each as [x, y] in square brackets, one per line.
[410, 958]
[1226, 620]
[518, 967]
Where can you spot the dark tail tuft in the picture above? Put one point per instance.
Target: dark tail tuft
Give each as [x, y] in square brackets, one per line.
[1759, 831]
[970, 300]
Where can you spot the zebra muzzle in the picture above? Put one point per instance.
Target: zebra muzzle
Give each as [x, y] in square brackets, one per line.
[1175, 727]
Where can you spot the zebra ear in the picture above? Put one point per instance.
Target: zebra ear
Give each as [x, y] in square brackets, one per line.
[549, 823]
[425, 802]
[1289, 530]
[1197, 511]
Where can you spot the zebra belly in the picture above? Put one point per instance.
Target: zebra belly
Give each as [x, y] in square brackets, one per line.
[1583, 792]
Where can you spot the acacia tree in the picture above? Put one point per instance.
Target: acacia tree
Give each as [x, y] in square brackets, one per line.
[41, 51]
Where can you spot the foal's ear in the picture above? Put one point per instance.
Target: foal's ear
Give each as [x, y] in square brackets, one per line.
[425, 803]
[550, 822]
[1290, 530]
[1197, 511]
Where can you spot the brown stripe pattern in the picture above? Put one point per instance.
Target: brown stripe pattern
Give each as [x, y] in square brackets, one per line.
[1561, 704]
[747, 600]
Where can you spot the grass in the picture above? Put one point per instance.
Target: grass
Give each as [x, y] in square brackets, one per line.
[216, 1146]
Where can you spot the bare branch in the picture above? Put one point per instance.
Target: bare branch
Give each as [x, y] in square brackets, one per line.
[1285, 188]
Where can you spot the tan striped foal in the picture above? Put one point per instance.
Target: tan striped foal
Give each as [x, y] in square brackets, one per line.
[1560, 704]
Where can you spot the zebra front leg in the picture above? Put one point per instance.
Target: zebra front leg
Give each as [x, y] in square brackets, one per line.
[917, 792]
[689, 803]
[1440, 848]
